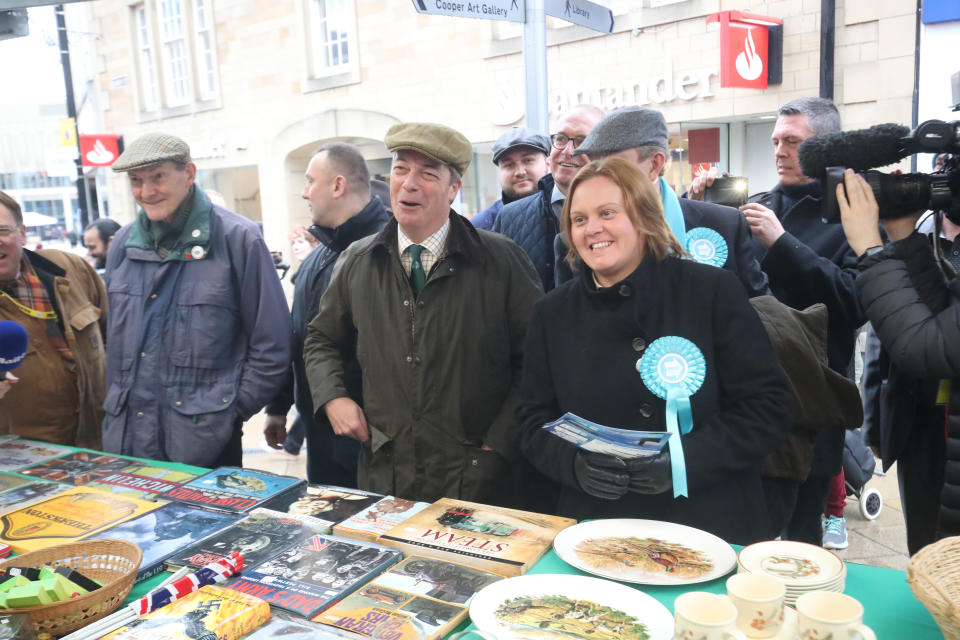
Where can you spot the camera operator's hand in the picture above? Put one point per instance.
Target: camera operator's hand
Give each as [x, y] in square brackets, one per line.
[699, 185]
[859, 212]
[764, 223]
[601, 475]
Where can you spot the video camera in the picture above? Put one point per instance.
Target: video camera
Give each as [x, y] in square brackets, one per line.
[827, 156]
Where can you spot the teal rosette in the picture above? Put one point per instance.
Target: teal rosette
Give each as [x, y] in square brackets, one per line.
[706, 246]
[673, 368]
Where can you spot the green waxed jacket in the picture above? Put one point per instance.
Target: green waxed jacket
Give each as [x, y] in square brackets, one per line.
[440, 370]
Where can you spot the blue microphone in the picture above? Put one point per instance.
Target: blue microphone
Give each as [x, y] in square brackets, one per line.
[13, 344]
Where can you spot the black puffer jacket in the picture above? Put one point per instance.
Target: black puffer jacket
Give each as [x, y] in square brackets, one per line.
[531, 223]
[916, 314]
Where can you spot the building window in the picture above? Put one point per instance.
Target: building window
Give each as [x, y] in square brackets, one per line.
[176, 51]
[333, 48]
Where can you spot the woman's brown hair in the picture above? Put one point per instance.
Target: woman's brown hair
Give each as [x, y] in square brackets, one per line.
[642, 202]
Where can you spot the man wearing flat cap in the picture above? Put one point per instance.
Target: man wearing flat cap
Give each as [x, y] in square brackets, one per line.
[713, 234]
[435, 312]
[521, 157]
[199, 333]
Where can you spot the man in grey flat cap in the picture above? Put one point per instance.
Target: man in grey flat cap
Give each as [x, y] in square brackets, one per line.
[713, 234]
[521, 157]
[435, 312]
[199, 334]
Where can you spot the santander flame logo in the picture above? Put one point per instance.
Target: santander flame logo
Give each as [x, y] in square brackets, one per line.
[748, 63]
[99, 154]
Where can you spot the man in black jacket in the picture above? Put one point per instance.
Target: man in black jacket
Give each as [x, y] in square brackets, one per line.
[718, 235]
[337, 191]
[808, 262]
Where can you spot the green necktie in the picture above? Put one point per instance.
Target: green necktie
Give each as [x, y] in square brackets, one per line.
[417, 276]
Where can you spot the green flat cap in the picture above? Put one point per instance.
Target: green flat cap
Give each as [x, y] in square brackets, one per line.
[435, 140]
[152, 148]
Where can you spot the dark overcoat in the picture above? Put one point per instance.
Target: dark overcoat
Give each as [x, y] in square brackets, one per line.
[582, 347]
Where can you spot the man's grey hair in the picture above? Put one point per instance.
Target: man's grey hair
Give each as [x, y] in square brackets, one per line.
[347, 161]
[822, 114]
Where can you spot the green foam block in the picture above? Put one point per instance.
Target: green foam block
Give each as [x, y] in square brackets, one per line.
[29, 595]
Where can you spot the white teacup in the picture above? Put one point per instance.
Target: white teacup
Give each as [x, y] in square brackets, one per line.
[705, 616]
[759, 602]
[823, 614]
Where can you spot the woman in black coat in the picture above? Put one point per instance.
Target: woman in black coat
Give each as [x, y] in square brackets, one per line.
[583, 345]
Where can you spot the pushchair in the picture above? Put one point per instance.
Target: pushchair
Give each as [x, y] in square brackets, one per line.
[859, 466]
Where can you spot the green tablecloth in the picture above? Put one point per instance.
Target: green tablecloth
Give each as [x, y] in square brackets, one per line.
[890, 608]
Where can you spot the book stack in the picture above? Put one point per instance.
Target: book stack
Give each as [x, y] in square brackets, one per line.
[233, 489]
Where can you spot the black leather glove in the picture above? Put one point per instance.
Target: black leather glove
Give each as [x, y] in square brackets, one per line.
[601, 475]
[650, 474]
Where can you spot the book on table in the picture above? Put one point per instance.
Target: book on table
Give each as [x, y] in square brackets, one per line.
[496, 539]
[418, 599]
[17, 453]
[258, 536]
[233, 489]
[308, 578]
[329, 503]
[378, 518]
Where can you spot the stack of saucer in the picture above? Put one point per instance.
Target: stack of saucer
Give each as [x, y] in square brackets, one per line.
[801, 567]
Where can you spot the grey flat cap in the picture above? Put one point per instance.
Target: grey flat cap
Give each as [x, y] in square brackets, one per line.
[152, 148]
[624, 129]
[520, 137]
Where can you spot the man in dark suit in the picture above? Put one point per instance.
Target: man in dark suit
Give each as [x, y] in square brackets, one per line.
[713, 234]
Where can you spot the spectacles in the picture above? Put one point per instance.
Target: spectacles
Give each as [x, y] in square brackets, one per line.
[6, 232]
[560, 140]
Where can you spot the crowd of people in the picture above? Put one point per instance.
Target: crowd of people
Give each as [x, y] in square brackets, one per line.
[425, 351]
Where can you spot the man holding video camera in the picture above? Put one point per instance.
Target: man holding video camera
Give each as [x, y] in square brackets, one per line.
[914, 309]
[808, 262]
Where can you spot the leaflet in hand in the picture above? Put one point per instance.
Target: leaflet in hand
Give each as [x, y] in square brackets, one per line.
[623, 443]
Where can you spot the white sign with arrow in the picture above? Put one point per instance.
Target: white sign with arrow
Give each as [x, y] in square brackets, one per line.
[586, 14]
[511, 10]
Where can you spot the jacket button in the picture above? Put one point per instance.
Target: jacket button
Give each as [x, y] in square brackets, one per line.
[224, 400]
[406, 303]
[416, 359]
[451, 270]
[625, 290]
[143, 354]
[639, 344]
[421, 304]
[409, 359]
[139, 414]
[153, 296]
[646, 410]
[178, 403]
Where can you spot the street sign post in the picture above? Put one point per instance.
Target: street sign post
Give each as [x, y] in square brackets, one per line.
[511, 10]
[586, 14]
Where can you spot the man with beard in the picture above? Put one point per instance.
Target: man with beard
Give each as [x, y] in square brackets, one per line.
[96, 238]
[521, 157]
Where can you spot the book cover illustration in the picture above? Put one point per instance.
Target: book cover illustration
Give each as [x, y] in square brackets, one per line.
[418, 598]
[258, 536]
[315, 574]
[496, 539]
[210, 613]
[66, 517]
[378, 518]
[163, 532]
[324, 502]
[282, 627]
[17, 453]
[28, 494]
[11, 481]
[233, 489]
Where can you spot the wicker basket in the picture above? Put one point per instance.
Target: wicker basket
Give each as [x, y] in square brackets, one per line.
[934, 577]
[113, 563]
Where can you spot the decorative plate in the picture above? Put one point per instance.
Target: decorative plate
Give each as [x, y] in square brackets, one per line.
[549, 606]
[645, 551]
[796, 564]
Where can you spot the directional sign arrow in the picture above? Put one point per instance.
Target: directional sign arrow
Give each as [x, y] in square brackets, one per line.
[586, 14]
[511, 10]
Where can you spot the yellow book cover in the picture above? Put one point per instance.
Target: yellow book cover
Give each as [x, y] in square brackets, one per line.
[211, 612]
[66, 517]
[504, 541]
[418, 599]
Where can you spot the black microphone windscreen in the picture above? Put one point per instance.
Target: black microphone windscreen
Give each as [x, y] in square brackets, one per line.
[859, 150]
[13, 344]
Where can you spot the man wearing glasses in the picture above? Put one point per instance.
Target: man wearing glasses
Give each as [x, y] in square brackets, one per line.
[533, 222]
[60, 300]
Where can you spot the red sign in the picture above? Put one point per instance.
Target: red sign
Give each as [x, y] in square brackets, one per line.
[100, 150]
[744, 54]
